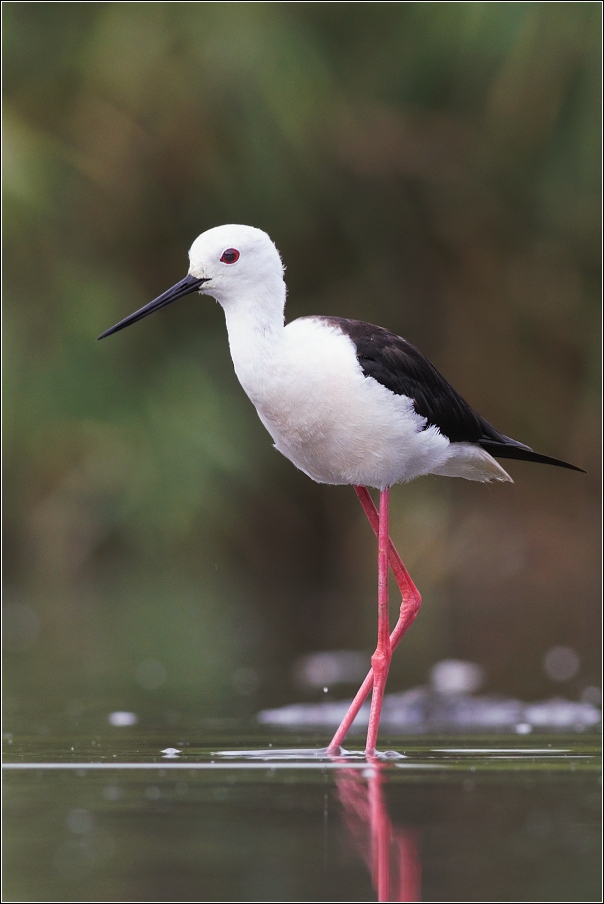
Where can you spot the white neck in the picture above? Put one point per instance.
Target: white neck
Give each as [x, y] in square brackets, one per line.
[255, 325]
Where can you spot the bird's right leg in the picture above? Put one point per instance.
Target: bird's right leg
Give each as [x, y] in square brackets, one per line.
[381, 659]
[410, 603]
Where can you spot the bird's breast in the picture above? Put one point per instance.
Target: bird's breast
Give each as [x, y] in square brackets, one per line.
[331, 421]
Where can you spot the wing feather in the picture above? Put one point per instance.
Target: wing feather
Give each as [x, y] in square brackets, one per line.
[402, 369]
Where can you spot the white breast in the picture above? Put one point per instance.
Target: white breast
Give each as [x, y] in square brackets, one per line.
[331, 421]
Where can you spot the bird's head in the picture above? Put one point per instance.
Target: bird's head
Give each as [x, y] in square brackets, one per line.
[234, 261]
[231, 263]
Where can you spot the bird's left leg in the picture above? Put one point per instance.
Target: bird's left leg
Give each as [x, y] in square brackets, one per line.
[380, 661]
[410, 604]
[411, 599]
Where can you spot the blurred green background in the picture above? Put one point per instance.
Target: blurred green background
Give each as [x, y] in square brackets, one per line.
[432, 167]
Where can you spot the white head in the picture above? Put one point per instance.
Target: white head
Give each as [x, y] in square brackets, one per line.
[235, 262]
[238, 265]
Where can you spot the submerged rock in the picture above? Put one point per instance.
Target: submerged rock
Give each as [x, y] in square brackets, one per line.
[423, 709]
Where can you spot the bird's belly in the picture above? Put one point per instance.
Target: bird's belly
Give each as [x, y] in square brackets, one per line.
[333, 422]
[344, 431]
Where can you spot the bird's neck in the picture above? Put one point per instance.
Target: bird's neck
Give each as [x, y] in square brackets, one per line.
[255, 326]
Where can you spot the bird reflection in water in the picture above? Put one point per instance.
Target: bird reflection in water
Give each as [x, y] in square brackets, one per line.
[391, 852]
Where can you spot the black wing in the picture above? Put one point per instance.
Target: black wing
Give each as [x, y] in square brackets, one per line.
[400, 367]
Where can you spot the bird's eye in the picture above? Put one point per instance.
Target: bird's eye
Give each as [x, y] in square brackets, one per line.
[230, 256]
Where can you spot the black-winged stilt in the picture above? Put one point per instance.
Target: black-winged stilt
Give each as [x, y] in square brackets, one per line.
[347, 403]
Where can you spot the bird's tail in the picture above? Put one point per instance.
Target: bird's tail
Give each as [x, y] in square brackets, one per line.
[512, 449]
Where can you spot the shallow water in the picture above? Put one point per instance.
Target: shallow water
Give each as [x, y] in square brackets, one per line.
[255, 816]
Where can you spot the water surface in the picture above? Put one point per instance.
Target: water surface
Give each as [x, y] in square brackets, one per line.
[226, 814]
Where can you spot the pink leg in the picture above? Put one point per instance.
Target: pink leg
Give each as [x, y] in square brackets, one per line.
[380, 661]
[410, 603]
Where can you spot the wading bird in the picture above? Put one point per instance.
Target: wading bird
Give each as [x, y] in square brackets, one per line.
[347, 403]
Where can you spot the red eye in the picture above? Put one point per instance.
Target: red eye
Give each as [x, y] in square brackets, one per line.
[230, 256]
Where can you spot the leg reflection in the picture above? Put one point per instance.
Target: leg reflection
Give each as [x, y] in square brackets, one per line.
[390, 852]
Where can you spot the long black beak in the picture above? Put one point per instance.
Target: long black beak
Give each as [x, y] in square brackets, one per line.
[184, 287]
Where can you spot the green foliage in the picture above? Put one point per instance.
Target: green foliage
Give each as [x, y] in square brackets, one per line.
[432, 167]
